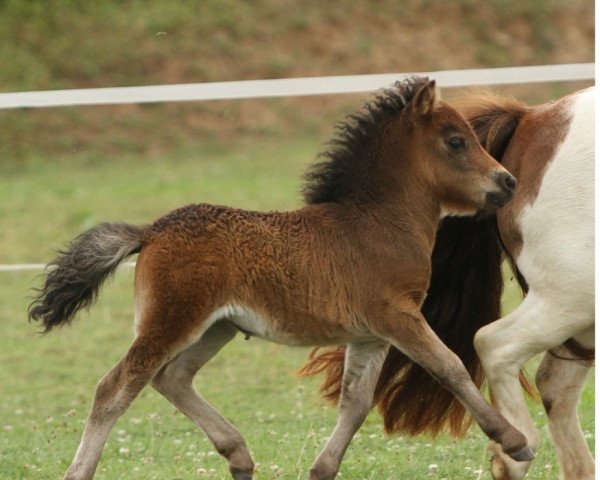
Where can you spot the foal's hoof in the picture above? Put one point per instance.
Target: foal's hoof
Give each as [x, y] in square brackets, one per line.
[239, 475]
[524, 455]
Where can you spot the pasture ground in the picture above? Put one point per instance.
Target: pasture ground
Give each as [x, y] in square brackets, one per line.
[47, 382]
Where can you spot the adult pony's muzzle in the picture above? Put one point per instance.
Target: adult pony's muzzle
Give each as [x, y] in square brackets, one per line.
[506, 186]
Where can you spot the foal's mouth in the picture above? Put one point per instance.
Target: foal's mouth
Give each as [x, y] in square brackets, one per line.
[495, 200]
[506, 187]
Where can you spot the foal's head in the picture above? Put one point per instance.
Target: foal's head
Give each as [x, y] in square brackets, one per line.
[407, 138]
[446, 153]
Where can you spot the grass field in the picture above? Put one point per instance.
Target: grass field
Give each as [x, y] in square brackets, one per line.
[48, 382]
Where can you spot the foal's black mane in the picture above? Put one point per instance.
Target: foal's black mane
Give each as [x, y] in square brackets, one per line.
[346, 161]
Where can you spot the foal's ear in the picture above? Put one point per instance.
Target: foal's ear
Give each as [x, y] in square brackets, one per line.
[425, 100]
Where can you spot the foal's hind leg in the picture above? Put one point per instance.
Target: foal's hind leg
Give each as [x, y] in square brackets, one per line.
[362, 366]
[174, 381]
[560, 382]
[406, 329]
[114, 394]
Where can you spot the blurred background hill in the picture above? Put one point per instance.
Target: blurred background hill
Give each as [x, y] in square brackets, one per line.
[72, 44]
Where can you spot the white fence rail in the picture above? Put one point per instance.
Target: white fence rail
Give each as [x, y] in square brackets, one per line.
[282, 88]
[288, 87]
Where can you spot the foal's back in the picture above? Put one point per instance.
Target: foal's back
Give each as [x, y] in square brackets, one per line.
[302, 277]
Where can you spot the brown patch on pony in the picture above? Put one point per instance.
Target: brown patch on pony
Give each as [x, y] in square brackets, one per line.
[464, 295]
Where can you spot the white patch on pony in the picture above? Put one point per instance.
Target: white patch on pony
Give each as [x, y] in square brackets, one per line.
[247, 320]
[446, 212]
[557, 258]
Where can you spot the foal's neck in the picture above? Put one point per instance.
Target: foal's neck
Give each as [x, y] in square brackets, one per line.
[403, 224]
[410, 211]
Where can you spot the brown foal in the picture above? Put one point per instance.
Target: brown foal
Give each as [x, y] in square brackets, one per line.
[350, 268]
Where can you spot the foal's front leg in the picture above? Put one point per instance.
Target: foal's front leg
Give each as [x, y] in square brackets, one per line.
[404, 327]
[361, 370]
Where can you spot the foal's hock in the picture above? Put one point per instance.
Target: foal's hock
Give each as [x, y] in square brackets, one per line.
[350, 268]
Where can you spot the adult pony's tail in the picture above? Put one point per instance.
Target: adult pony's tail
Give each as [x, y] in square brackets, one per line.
[464, 295]
[73, 279]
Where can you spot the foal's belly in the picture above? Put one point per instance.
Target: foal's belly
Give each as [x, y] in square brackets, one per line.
[286, 331]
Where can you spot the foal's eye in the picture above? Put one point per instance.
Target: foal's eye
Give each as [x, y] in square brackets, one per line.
[456, 143]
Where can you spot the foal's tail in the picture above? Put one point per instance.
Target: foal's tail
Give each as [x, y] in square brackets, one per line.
[73, 279]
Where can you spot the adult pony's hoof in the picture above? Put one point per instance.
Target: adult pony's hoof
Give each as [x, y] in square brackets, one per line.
[524, 455]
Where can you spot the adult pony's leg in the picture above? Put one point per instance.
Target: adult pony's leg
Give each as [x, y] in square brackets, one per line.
[560, 381]
[174, 381]
[504, 346]
[114, 393]
[362, 366]
[405, 328]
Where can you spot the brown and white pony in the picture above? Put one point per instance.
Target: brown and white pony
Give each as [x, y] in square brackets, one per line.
[547, 232]
[352, 267]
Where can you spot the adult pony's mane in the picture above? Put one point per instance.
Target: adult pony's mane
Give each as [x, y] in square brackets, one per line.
[347, 162]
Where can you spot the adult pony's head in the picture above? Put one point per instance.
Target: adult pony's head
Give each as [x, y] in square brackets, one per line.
[407, 137]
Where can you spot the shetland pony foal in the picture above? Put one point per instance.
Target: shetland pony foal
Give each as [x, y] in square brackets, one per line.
[352, 267]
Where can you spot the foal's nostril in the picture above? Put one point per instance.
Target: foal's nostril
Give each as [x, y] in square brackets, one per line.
[506, 181]
[510, 182]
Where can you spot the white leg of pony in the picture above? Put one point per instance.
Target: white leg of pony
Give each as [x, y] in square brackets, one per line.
[362, 366]
[537, 325]
[560, 383]
[174, 381]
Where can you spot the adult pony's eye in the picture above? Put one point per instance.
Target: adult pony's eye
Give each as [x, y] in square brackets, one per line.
[456, 143]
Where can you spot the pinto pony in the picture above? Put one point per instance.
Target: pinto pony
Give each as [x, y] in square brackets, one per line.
[547, 233]
[352, 267]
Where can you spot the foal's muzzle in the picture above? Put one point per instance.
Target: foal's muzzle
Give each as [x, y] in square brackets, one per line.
[506, 186]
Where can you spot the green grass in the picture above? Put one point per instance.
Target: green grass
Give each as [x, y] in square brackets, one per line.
[48, 382]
